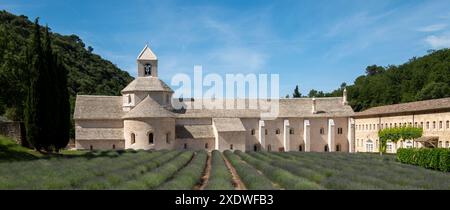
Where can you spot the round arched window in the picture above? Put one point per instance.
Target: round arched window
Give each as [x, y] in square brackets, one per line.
[148, 69]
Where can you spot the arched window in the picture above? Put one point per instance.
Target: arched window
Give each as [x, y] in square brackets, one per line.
[269, 147]
[277, 131]
[447, 144]
[185, 146]
[300, 148]
[91, 148]
[322, 130]
[148, 69]
[266, 131]
[206, 146]
[133, 138]
[253, 132]
[114, 146]
[231, 146]
[167, 138]
[291, 131]
[325, 148]
[150, 138]
[255, 147]
[447, 124]
[440, 144]
[338, 148]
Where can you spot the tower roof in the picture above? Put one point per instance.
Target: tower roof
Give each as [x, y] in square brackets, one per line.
[147, 84]
[147, 54]
[149, 108]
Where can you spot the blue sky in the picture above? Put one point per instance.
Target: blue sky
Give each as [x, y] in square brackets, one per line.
[316, 44]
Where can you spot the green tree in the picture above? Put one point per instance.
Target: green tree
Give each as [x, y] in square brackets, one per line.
[434, 90]
[33, 118]
[87, 73]
[297, 93]
[397, 134]
[373, 70]
[47, 113]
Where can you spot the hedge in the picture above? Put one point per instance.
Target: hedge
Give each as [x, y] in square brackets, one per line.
[437, 159]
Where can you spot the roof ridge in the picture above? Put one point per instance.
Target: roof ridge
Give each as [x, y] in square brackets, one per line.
[97, 96]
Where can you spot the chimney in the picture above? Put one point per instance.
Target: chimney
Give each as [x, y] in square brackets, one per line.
[314, 111]
[344, 97]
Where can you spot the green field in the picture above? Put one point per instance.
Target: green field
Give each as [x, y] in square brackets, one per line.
[168, 169]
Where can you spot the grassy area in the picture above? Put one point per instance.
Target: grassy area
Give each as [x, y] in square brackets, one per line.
[168, 169]
[11, 151]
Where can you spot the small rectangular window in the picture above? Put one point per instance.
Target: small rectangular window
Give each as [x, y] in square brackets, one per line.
[291, 131]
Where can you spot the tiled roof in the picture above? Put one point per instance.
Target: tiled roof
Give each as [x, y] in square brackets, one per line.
[418, 106]
[147, 84]
[301, 107]
[194, 131]
[228, 124]
[148, 108]
[98, 107]
[110, 107]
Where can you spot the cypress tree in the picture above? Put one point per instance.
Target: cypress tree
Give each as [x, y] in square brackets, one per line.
[297, 93]
[57, 95]
[50, 94]
[33, 119]
[64, 105]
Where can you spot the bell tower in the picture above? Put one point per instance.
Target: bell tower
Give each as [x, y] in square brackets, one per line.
[147, 63]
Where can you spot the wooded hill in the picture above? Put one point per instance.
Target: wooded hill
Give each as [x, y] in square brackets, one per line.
[422, 78]
[88, 73]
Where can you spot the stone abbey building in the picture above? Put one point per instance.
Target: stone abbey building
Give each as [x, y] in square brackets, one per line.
[144, 118]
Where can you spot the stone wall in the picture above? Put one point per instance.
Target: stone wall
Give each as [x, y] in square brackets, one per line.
[433, 124]
[14, 130]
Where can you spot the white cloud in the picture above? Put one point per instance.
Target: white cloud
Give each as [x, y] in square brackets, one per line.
[438, 42]
[433, 28]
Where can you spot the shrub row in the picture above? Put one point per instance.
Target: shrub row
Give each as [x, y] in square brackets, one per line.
[220, 177]
[116, 177]
[252, 179]
[66, 173]
[189, 176]
[283, 177]
[436, 158]
[159, 175]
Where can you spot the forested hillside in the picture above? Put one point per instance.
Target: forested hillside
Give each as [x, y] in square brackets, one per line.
[88, 73]
[423, 78]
